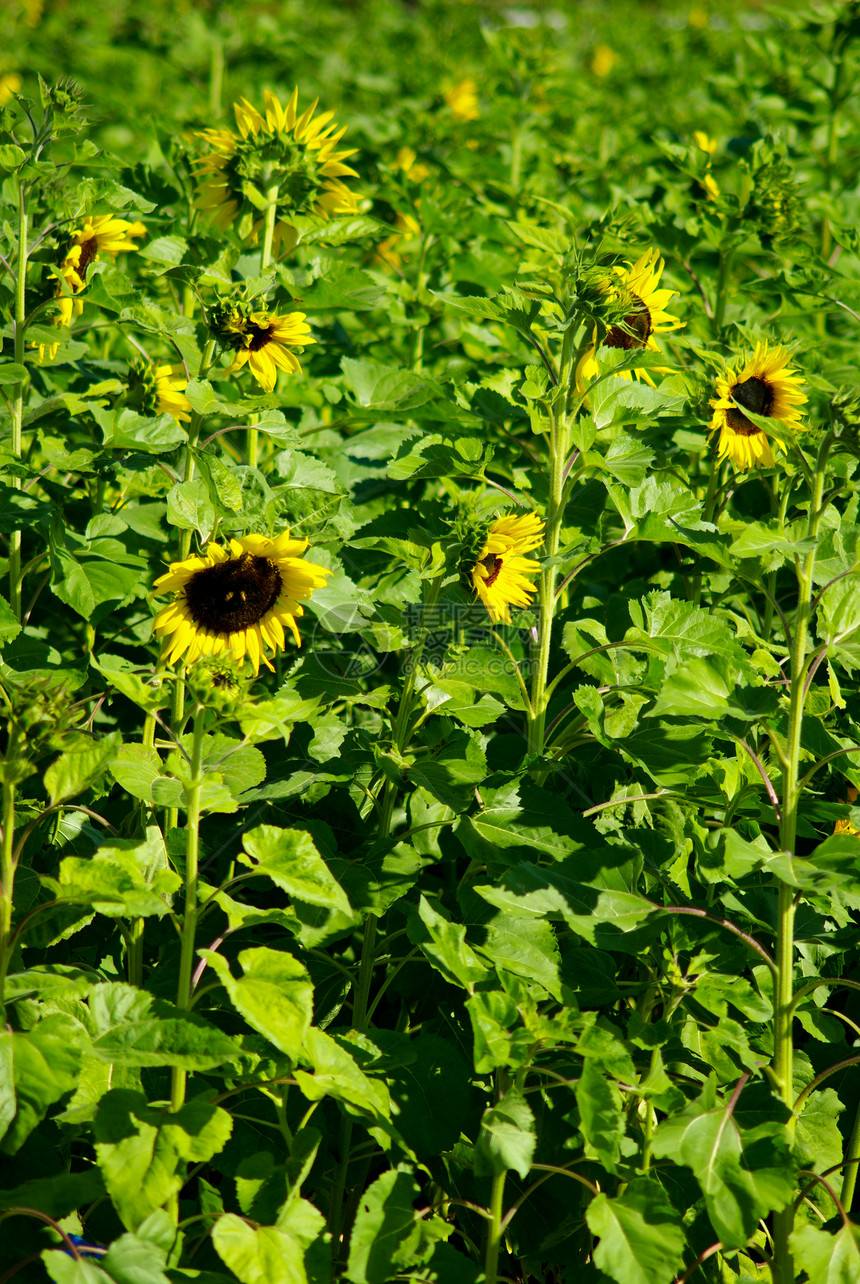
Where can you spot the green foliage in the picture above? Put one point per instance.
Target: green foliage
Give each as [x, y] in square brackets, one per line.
[445, 946]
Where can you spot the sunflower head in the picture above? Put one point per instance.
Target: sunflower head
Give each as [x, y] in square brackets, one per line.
[157, 390]
[261, 340]
[219, 682]
[496, 566]
[237, 600]
[633, 311]
[294, 156]
[764, 386]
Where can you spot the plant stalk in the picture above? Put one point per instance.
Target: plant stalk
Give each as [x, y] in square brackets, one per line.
[189, 921]
[559, 447]
[17, 444]
[783, 1058]
[494, 1231]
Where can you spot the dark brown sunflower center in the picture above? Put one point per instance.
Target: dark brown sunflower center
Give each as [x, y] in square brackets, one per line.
[89, 250]
[755, 395]
[233, 595]
[493, 565]
[260, 336]
[637, 329]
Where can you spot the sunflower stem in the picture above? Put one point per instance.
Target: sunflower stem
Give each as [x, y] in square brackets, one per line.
[253, 443]
[494, 1228]
[723, 284]
[189, 465]
[189, 920]
[20, 314]
[559, 447]
[792, 789]
[7, 858]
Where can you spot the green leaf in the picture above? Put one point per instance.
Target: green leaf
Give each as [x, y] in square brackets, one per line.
[542, 238]
[135, 769]
[828, 1257]
[386, 1232]
[507, 1139]
[81, 766]
[65, 1269]
[743, 1175]
[444, 943]
[127, 430]
[132, 1028]
[142, 1150]
[190, 508]
[259, 1254]
[290, 858]
[39, 1067]
[601, 1113]
[641, 1237]
[10, 626]
[452, 769]
[274, 995]
[115, 882]
[336, 1074]
[57, 1195]
[10, 372]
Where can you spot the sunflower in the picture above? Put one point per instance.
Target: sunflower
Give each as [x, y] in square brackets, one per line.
[462, 99]
[158, 390]
[647, 317]
[499, 574]
[237, 599]
[260, 341]
[98, 234]
[766, 386]
[293, 153]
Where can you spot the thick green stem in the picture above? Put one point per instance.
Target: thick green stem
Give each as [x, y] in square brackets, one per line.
[559, 448]
[830, 156]
[253, 442]
[134, 955]
[783, 1043]
[494, 1230]
[17, 444]
[7, 874]
[177, 711]
[723, 282]
[852, 1156]
[189, 921]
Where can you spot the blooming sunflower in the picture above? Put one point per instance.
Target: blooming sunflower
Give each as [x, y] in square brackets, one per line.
[293, 153]
[647, 317]
[158, 390]
[766, 386]
[499, 574]
[260, 341]
[237, 599]
[98, 234]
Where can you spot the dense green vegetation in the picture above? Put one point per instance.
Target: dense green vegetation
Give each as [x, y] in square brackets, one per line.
[428, 644]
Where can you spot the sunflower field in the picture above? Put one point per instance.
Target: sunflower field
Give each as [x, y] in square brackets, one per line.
[430, 642]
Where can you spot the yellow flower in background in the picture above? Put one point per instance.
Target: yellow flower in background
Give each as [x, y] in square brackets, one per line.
[297, 154]
[765, 386]
[261, 341]
[462, 98]
[708, 146]
[389, 250]
[499, 575]
[237, 599]
[10, 84]
[408, 162]
[603, 60]
[158, 390]
[698, 17]
[648, 316]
